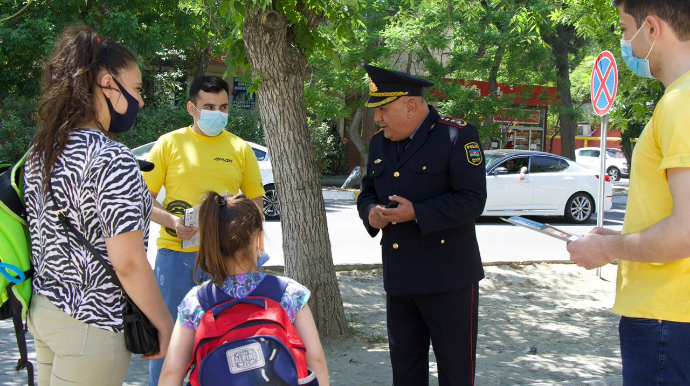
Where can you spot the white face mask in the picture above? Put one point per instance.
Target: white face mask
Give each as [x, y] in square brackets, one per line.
[212, 122]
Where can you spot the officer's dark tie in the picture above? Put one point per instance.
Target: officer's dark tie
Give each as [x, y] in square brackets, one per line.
[402, 145]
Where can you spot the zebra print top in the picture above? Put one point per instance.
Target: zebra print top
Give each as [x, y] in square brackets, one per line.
[98, 185]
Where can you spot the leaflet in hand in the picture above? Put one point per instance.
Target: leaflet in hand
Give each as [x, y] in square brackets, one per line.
[542, 228]
[191, 219]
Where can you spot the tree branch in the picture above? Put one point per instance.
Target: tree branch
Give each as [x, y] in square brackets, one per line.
[18, 12]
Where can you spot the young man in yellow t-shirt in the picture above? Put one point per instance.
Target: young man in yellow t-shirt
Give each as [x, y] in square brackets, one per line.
[189, 162]
[653, 286]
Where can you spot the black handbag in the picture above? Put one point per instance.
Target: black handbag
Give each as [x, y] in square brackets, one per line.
[141, 337]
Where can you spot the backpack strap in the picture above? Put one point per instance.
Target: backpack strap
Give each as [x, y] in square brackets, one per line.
[209, 295]
[20, 334]
[9, 197]
[272, 287]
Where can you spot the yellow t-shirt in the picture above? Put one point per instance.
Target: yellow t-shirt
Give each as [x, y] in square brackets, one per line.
[657, 290]
[189, 165]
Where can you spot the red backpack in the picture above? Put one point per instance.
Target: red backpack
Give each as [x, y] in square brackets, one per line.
[248, 341]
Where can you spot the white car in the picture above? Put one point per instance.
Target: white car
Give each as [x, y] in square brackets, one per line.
[552, 186]
[616, 164]
[271, 205]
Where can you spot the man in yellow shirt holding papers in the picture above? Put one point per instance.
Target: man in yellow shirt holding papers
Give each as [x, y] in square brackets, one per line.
[653, 250]
[189, 162]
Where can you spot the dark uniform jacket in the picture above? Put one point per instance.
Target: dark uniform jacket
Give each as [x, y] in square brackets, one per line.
[442, 173]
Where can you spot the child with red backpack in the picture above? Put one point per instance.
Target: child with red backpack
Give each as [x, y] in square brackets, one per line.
[242, 327]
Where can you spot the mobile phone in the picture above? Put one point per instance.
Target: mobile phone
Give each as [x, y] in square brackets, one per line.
[392, 204]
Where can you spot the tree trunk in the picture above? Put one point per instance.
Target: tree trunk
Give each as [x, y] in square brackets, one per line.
[553, 136]
[560, 43]
[354, 132]
[202, 62]
[306, 244]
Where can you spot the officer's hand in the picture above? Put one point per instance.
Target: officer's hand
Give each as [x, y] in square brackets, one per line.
[376, 219]
[403, 213]
[183, 232]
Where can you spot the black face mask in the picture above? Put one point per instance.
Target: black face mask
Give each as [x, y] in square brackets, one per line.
[119, 123]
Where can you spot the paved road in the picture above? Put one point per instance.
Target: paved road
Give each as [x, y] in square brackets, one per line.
[498, 240]
[351, 244]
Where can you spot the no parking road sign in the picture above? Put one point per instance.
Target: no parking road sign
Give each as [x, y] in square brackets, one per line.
[604, 83]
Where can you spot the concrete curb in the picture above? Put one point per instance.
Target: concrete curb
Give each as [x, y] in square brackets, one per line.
[338, 194]
[350, 195]
[620, 198]
[368, 267]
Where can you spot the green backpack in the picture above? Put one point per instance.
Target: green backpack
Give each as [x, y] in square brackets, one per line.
[15, 257]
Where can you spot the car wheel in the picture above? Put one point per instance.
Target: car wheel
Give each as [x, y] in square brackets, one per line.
[271, 204]
[579, 208]
[614, 173]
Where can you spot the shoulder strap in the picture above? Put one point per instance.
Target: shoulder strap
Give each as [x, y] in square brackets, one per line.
[271, 287]
[209, 295]
[23, 362]
[62, 219]
[9, 196]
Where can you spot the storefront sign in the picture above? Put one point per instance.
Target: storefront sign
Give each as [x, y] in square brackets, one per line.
[528, 117]
[240, 96]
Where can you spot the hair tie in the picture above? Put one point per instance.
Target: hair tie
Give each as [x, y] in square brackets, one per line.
[98, 40]
[221, 201]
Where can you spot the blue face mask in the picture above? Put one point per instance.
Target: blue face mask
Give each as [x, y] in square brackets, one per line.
[212, 122]
[263, 259]
[636, 65]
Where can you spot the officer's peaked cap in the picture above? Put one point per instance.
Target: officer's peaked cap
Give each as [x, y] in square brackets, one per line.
[385, 86]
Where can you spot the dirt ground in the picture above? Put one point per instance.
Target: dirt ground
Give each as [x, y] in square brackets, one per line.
[542, 324]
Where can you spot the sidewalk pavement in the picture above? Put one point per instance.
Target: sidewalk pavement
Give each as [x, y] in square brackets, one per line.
[138, 369]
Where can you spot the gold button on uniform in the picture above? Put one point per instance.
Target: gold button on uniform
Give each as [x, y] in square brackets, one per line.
[395, 245]
[394, 223]
[423, 167]
[443, 241]
[396, 174]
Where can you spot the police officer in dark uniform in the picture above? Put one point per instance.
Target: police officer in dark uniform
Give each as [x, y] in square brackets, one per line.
[432, 168]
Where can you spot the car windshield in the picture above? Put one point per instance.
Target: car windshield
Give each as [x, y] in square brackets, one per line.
[491, 158]
[142, 150]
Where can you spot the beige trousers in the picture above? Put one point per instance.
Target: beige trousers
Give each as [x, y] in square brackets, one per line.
[70, 352]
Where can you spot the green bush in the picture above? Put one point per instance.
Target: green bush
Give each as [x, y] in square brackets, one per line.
[328, 151]
[154, 121]
[18, 127]
[246, 124]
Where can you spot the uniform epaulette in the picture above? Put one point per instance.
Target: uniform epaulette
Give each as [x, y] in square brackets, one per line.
[380, 130]
[459, 123]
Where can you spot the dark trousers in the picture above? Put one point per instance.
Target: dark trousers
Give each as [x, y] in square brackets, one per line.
[449, 320]
[654, 352]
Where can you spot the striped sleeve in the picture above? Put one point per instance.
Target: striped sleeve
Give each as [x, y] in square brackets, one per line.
[118, 193]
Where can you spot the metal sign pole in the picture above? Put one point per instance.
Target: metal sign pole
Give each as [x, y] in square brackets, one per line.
[602, 175]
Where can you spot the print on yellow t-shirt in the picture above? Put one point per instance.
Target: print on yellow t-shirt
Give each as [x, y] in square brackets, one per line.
[189, 165]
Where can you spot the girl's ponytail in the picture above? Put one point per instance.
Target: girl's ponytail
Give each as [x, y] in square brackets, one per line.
[69, 80]
[227, 228]
[210, 257]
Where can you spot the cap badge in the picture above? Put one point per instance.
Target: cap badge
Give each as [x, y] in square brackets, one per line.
[372, 86]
